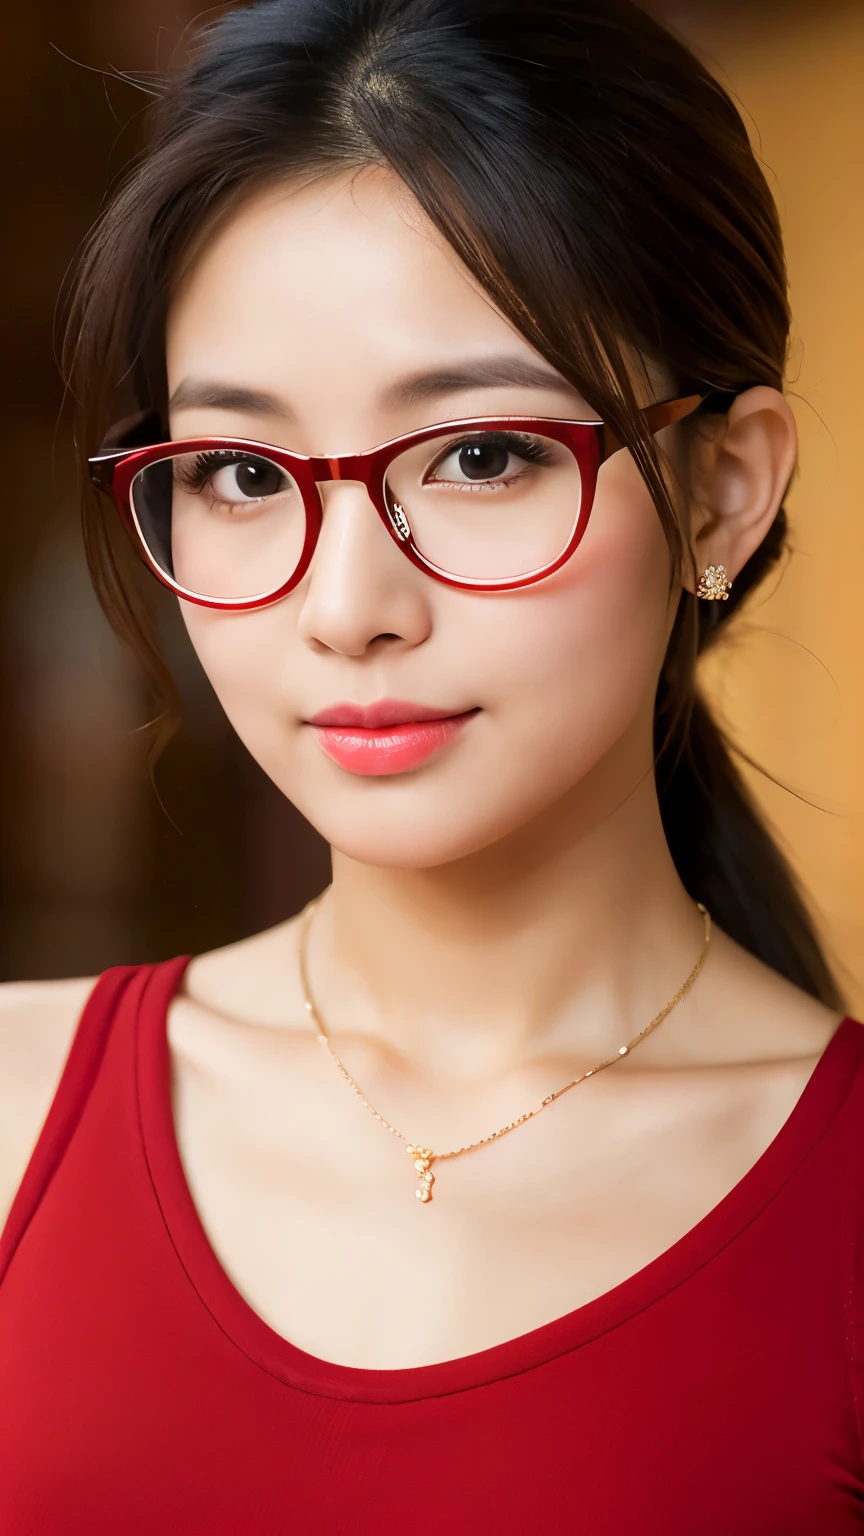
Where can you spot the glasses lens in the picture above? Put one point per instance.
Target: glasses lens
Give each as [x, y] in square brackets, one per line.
[487, 505]
[221, 523]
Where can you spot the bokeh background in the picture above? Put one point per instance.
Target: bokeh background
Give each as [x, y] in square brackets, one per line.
[97, 868]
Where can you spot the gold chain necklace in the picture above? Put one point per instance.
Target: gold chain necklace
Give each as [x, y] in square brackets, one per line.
[424, 1157]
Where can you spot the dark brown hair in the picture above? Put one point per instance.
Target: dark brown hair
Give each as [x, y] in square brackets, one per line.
[599, 183]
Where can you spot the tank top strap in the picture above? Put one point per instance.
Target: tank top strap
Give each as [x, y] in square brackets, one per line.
[73, 1090]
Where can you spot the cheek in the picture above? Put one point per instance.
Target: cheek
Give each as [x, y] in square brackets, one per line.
[578, 656]
[250, 659]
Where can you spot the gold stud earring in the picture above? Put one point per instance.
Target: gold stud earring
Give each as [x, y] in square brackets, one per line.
[714, 584]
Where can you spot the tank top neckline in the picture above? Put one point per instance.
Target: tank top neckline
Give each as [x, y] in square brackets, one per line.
[812, 1114]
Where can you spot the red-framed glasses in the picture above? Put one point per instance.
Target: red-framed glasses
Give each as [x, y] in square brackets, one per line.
[486, 504]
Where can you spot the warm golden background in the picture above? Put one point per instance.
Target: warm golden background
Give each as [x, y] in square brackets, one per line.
[94, 871]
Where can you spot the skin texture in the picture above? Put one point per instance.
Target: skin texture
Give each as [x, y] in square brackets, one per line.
[501, 917]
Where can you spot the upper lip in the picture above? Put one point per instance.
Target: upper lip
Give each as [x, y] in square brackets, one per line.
[382, 713]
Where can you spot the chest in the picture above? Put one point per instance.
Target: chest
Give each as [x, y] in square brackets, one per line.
[310, 1206]
[710, 1394]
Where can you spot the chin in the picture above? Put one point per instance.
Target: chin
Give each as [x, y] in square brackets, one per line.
[412, 843]
[404, 826]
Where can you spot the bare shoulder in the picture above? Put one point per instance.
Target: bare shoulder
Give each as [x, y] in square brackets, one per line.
[38, 1020]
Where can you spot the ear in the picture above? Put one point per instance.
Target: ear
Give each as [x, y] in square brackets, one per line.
[740, 468]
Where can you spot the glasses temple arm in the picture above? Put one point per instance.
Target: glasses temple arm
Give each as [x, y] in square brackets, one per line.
[137, 431]
[665, 413]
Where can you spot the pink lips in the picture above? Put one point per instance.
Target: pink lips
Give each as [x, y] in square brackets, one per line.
[390, 736]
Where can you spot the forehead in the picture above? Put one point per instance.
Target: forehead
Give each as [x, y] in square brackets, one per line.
[346, 268]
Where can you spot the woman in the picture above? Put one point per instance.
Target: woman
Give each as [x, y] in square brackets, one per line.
[612, 1286]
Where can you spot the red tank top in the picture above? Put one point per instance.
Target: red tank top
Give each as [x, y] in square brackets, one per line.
[718, 1390]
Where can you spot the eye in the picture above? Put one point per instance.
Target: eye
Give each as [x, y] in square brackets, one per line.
[235, 479]
[495, 458]
[481, 461]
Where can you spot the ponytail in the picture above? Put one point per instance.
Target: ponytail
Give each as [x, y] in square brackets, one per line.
[722, 848]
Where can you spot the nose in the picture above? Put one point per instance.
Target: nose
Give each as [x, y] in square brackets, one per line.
[360, 593]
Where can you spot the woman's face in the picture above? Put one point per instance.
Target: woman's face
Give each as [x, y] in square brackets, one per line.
[339, 304]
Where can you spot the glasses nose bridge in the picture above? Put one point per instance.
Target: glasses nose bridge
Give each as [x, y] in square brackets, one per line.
[368, 470]
[343, 466]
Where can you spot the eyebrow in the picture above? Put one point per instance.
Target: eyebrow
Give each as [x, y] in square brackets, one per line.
[225, 397]
[427, 384]
[484, 373]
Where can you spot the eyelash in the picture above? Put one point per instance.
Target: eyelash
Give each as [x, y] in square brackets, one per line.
[196, 476]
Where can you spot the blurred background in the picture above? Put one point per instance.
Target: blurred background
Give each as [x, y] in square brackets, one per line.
[95, 870]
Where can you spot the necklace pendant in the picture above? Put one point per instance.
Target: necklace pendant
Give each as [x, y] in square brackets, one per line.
[423, 1157]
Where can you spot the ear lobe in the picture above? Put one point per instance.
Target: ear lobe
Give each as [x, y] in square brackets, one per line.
[739, 474]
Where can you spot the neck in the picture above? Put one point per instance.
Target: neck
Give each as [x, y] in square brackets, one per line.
[571, 934]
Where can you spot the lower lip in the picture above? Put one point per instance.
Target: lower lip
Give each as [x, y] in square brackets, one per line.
[391, 749]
